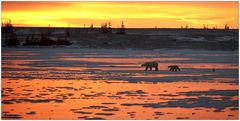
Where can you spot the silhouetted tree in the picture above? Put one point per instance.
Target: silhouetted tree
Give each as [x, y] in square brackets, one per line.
[49, 32]
[205, 26]
[109, 27]
[67, 32]
[122, 29]
[104, 27]
[8, 31]
[91, 26]
[85, 29]
[226, 27]
[215, 27]
[7, 27]
[65, 41]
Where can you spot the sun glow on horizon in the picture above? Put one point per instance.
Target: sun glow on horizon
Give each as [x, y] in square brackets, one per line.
[134, 14]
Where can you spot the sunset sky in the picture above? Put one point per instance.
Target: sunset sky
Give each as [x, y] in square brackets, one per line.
[134, 14]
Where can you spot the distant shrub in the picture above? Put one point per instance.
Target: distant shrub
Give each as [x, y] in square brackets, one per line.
[63, 42]
[106, 28]
[29, 42]
[45, 41]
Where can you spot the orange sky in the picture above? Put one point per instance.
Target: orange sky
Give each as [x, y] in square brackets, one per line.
[134, 14]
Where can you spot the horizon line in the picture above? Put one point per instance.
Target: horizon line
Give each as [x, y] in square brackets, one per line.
[125, 28]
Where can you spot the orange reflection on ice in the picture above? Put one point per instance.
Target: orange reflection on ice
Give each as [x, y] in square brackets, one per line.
[79, 99]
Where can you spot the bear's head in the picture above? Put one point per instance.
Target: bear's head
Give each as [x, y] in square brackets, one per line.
[143, 65]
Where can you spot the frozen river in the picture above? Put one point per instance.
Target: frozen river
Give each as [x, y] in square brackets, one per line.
[73, 83]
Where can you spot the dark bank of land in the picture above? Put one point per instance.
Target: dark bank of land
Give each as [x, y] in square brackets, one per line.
[218, 39]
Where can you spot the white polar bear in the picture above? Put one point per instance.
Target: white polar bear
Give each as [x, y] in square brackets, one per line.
[150, 65]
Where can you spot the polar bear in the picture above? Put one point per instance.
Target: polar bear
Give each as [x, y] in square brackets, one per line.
[150, 65]
[174, 68]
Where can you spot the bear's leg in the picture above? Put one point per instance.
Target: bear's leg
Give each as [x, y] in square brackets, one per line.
[146, 68]
[151, 68]
[156, 68]
[175, 69]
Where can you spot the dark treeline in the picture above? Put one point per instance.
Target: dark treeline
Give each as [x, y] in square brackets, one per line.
[46, 36]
